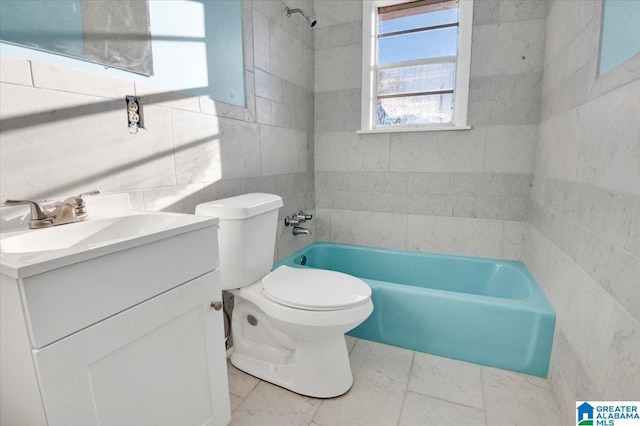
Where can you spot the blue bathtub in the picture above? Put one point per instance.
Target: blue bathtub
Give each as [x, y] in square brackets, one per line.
[485, 311]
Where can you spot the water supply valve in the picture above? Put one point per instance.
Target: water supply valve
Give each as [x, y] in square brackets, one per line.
[293, 220]
[297, 219]
[307, 216]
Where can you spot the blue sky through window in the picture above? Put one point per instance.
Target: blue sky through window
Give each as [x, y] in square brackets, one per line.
[409, 83]
[419, 45]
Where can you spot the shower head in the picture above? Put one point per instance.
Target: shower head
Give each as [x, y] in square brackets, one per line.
[311, 20]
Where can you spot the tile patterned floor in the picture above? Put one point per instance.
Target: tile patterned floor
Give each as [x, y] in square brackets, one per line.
[395, 386]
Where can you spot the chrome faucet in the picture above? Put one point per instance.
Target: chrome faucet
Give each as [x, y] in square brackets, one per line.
[71, 210]
[301, 231]
[297, 219]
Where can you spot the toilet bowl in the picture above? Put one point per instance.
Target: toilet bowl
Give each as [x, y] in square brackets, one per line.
[287, 325]
[293, 342]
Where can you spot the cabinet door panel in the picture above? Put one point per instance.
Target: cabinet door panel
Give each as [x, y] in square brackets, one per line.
[150, 365]
[157, 379]
[65, 386]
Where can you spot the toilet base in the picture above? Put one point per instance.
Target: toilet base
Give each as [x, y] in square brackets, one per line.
[319, 369]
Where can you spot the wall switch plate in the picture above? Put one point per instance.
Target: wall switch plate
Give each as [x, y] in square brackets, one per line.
[134, 113]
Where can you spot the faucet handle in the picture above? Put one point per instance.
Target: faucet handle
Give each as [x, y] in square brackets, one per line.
[293, 220]
[36, 211]
[306, 216]
[81, 208]
[39, 219]
[94, 192]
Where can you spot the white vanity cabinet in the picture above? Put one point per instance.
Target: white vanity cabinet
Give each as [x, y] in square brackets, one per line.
[126, 334]
[157, 363]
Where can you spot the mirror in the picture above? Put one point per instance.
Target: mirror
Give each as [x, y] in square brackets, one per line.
[112, 33]
[620, 34]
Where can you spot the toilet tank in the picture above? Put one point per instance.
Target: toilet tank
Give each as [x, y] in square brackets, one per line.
[246, 237]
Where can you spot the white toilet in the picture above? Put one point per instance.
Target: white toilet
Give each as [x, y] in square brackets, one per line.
[288, 325]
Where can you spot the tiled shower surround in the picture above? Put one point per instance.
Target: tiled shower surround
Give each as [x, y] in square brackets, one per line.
[549, 173]
[584, 247]
[464, 192]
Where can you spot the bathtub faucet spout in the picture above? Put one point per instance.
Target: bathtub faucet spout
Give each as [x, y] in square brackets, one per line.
[301, 231]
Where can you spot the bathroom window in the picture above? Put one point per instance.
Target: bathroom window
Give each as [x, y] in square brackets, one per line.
[416, 59]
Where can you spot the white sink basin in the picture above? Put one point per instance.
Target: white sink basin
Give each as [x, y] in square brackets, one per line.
[87, 234]
[26, 252]
[72, 276]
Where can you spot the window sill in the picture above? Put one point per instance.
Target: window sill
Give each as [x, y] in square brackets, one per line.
[412, 129]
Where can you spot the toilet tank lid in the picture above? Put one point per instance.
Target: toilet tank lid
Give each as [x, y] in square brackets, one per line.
[241, 206]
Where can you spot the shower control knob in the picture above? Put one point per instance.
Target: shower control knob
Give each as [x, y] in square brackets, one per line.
[216, 305]
[293, 220]
[306, 216]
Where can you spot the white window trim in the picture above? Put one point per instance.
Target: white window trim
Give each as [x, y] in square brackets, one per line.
[368, 123]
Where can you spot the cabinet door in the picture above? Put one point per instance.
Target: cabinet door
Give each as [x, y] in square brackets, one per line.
[158, 363]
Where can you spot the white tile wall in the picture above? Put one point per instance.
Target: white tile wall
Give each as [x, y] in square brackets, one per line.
[296, 68]
[64, 131]
[285, 150]
[464, 236]
[338, 68]
[505, 86]
[459, 151]
[523, 10]
[508, 47]
[262, 46]
[375, 229]
[557, 148]
[615, 164]
[581, 244]
[16, 71]
[468, 178]
[347, 151]
[510, 149]
[336, 12]
[49, 145]
[50, 77]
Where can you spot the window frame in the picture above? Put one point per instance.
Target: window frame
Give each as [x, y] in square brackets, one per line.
[369, 68]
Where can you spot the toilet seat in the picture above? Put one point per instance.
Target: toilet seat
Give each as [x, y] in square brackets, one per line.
[314, 289]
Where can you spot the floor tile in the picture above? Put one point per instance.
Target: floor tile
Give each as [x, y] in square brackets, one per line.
[447, 379]
[390, 360]
[271, 405]
[235, 401]
[518, 399]
[380, 375]
[351, 342]
[423, 410]
[374, 399]
[395, 386]
[240, 383]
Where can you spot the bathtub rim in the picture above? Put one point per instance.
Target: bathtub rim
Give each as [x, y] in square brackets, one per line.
[536, 295]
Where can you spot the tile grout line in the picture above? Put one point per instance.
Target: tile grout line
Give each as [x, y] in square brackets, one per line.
[443, 399]
[406, 389]
[484, 397]
[33, 84]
